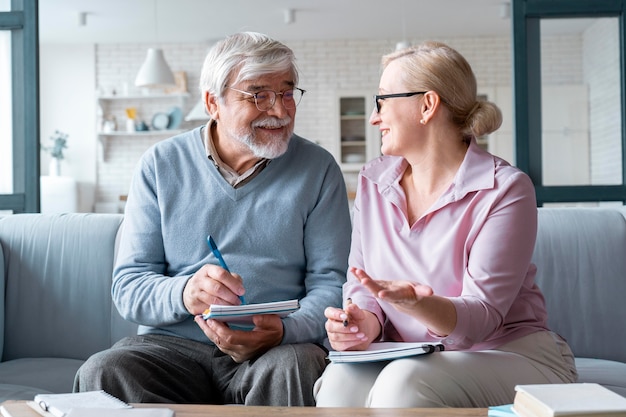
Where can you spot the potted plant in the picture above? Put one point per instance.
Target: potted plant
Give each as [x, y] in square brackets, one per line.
[59, 142]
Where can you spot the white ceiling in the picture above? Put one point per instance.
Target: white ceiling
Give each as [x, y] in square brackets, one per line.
[121, 21]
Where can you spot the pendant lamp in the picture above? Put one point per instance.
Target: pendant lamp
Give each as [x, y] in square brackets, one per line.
[403, 44]
[155, 72]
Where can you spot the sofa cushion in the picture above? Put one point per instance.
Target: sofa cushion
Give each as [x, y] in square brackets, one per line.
[611, 374]
[2, 281]
[42, 375]
[18, 392]
[58, 285]
[580, 262]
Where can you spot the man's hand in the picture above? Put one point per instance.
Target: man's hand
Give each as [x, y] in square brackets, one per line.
[212, 284]
[242, 345]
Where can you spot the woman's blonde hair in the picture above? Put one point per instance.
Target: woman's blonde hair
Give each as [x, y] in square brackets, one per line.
[434, 66]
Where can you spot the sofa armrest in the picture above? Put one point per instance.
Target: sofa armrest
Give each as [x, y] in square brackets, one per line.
[2, 281]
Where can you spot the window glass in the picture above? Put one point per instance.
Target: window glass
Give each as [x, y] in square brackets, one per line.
[580, 101]
[6, 112]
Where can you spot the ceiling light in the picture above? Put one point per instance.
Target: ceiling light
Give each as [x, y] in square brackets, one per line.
[155, 72]
[81, 18]
[505, 10]
[290, 16]
[402, 45]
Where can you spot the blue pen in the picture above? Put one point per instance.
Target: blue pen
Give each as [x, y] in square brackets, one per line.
[218, 255]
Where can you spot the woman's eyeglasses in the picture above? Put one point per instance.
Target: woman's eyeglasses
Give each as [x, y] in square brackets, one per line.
[380, 97]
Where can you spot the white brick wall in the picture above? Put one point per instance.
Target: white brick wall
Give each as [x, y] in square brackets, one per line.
[325, 67]
[601, 73]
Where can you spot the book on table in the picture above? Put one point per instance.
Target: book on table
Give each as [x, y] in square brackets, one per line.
[61, 404]
[242, 314]
[83, 404]
[383, 351]
[575, 399]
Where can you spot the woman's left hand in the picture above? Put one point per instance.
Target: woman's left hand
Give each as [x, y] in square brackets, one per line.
[437, 313]
[403, 295]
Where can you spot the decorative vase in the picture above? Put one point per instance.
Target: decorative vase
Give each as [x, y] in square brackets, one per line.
[55, 167]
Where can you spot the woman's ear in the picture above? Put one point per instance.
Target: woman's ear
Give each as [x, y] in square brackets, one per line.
[430, 104]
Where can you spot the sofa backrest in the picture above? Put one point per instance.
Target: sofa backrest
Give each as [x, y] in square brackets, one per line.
[581, 268]
[57, 277]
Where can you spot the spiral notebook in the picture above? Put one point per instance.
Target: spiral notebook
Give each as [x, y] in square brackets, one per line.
[242, 314]
[60, 404]
[384, 351]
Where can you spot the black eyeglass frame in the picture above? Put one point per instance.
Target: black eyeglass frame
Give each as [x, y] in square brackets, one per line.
[378, 97]
[273, 101]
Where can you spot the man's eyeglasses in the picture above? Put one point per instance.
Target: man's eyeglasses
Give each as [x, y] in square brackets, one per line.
[265, 100]
[380, 97]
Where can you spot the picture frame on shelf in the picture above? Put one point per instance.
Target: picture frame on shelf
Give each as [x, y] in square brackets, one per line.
[180, 77]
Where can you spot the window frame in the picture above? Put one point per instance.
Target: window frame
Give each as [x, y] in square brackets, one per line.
[22, 21]
[526, 16]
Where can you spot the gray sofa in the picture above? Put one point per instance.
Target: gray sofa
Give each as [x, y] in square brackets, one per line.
[57, 309]
[56, 270]
[581, 268]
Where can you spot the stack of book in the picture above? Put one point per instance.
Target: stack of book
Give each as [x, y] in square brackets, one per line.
[579, 399]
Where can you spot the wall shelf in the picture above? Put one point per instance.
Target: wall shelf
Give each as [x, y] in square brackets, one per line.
[143, 96]
[103, 137]
[112, 109]
[357, 141]
[167, 132]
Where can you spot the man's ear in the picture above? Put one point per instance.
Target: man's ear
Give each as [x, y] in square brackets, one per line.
[211, 104]
[430, 104]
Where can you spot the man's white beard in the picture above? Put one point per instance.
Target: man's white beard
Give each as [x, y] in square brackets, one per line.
[270, 150]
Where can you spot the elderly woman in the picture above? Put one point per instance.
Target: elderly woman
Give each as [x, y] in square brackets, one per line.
[443, 235]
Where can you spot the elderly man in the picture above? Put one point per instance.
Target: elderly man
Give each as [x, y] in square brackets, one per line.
[277, 206]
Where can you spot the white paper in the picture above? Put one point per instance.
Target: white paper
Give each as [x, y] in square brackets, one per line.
[60, 404]
[127, 412]
[385, 351]
[243, 313]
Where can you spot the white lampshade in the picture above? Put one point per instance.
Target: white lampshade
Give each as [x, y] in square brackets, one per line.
[198, 112]
[402, 45]
[155, 72]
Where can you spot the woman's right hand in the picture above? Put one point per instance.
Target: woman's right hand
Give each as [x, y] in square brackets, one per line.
[351, 328]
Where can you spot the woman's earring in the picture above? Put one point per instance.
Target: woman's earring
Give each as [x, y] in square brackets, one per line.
[422, 121]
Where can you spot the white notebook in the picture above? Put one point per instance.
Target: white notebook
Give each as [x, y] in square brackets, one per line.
[242, 314]
[60, 404]
[383, 351]
[126, 412]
